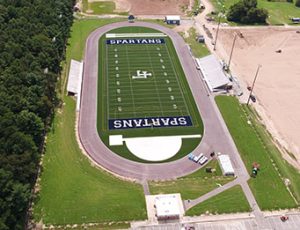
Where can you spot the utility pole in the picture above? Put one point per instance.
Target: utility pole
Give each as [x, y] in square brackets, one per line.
[219, 22]
[235, 36]
[258, 67]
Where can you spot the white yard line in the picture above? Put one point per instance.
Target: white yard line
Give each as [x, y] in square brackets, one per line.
[154, 79]
[130, 80]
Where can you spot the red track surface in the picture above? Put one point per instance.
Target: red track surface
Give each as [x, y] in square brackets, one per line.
[216, 136]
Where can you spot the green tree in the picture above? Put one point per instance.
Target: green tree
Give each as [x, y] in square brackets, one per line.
[14, 198]
[27, 94]
[247, 12]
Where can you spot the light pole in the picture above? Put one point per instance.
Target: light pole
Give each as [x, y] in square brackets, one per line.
[215, 43]
[235, 36]
[221, 14]
[258, 67]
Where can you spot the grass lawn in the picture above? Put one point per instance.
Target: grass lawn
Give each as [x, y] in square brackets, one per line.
[85, 5]
[193, 185]
[104, 226]
[232, 200]
[165, 93]
[255, 146]
[72, 191]
[80, 31]
[102, 7]
[199, 50]
[279, 12]
[98, 8]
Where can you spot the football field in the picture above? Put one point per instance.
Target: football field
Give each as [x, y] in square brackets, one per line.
[142, 82]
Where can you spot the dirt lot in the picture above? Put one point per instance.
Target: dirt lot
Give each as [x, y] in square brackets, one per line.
[158, 7]
[278, 84]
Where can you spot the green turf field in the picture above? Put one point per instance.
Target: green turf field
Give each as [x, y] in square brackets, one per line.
[157, 92]
[141, 81]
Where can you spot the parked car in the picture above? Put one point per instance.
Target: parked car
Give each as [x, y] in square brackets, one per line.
[191, 156]
[203, 160]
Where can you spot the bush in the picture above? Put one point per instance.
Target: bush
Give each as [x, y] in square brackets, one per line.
[297, 3]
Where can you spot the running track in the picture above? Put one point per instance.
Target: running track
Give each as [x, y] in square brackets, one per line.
[216, 136]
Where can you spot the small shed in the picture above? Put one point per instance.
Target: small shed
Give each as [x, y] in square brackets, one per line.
[200, 39]
[131, 18]
[172, 19]
[226, 165]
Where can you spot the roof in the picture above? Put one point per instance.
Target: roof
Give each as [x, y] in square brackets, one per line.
[167, 205]
[75, 77]
[212, 72]
[225, 164]
[173, 17]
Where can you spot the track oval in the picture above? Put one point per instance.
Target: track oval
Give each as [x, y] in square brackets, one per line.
[214, 136]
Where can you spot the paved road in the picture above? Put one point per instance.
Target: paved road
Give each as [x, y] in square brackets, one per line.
[224, 223]
[216, 136]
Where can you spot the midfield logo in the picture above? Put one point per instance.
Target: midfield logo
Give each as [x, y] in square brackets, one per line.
[141, 75]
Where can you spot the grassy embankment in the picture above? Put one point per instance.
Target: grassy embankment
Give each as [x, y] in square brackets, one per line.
[255, 145]
[72, 191]
[279, 12]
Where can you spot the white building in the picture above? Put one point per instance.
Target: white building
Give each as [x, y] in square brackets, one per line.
[167, 207]
[75, 80]
[226, 165]
[213, 73]
[172, 19]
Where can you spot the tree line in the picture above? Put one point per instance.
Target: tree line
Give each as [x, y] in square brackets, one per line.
[33, 36]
